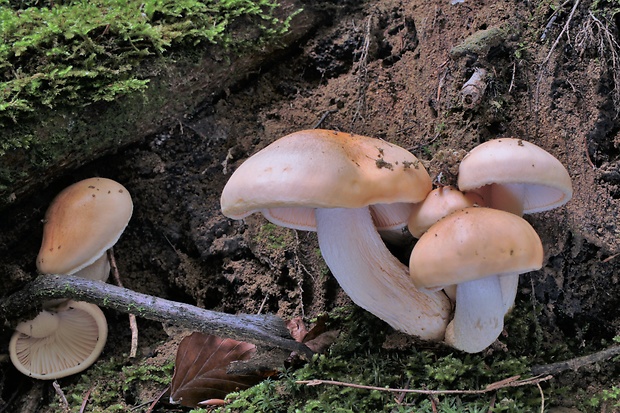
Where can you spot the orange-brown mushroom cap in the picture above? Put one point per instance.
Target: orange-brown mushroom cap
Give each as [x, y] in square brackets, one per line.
[439, 202]
[474, 243]
[481, 251]
[329, 181]
[322, 169]
[82, 222]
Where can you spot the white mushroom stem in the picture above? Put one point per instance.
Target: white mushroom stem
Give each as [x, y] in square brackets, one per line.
[478, 315]
[373, 278]
[509, 284]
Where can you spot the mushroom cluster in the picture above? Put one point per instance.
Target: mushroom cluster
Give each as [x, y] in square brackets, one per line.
[473, 242]
[479, 244]
[81, 224]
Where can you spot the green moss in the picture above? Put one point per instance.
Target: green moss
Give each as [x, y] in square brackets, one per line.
[108, 382]
[274, 237]
[77, 53]
[358, 357]
[481, 41]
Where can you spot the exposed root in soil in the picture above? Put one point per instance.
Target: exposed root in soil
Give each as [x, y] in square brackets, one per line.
[597, 35]
[543, 65]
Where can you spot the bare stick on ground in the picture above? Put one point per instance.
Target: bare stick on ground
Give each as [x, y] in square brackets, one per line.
[576, 363]
[133, 323]
[509, 382]
[265, 331]
[61, 396]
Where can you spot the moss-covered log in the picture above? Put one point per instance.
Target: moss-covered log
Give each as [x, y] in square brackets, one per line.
[60, 137]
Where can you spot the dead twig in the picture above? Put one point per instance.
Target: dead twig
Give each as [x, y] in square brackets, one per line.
[576, 363]
[322, 119]
[61, 396]
[262, 304]
[157, 399]
[509, 382]
[542, 398]
[362, 74]
[473, 90]
[86, 398]
[611, 257]
[133, 323]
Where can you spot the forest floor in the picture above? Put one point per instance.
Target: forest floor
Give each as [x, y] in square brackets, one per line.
[393, 70]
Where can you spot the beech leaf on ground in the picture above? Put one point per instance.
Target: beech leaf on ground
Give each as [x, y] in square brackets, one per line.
[200, 369]
[318, 338]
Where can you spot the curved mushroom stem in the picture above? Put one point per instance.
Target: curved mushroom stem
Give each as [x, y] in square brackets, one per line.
[478, 315]
[373, 278]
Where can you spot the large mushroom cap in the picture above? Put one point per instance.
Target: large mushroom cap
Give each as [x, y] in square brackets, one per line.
[514, 168]
[82, 222]
[322, 169]
[40, 351]
[474, 243]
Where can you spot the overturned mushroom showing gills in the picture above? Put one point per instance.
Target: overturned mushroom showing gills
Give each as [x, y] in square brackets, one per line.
[515, 176]
[482, 251]
[333, 177]
[81, 224]
[59, 343]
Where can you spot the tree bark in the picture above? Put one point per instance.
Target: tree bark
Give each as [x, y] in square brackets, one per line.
[266, 331]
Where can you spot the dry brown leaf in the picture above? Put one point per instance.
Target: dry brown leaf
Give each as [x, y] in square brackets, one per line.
[200, 369]
[318, 338]
[321, 342]
[317, 329]
[297, 328]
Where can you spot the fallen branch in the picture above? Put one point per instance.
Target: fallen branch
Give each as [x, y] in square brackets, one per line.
[509, 382]
[576, 363]
[266, 331]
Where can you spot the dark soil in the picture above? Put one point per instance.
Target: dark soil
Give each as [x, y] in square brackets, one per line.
[381, 69]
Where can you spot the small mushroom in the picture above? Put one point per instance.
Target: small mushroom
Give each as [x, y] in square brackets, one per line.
[81, 224]
[332, 178]
[515, 176]
[438, 203]
[481, 251]
[61, 342]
